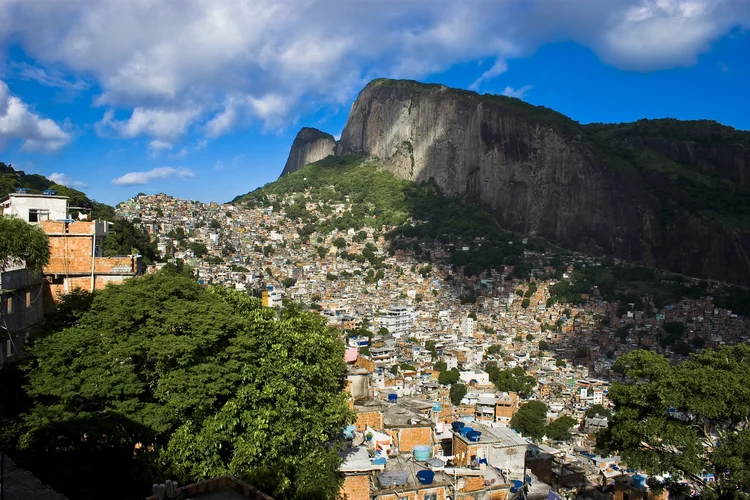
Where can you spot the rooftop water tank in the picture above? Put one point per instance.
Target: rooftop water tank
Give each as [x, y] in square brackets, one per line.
[49, 192]
[465, 430]
[437, 406]
[421, 453]
[474, 436]
[393, 478]
[425, 476]
[392, 397]
[639, 481]
[457, 426]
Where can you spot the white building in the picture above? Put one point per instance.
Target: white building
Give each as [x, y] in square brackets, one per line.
[35, 208]
[467, 326]
[397, 320]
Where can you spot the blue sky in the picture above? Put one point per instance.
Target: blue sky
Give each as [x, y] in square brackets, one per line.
[202, 99]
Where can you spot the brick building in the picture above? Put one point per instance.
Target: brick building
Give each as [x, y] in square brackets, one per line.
[76, 259]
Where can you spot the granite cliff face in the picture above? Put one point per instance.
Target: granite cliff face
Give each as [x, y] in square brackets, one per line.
[309, 146]
[544, 174]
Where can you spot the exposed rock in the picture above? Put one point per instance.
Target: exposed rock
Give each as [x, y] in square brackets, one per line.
[540, 174]
[309, 146]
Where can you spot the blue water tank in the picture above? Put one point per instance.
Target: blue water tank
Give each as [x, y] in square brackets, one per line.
[392, 397]
[49, 192]
[379, 461]
[474, 436]
[465, 430]
[437, 406]
[639, 481]
[457, 426]
[421, 453]
[425, 476]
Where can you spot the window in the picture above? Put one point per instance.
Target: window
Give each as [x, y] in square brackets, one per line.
[9, 306]
[430, 496]
[8, 348]
[37, 215]
[28, 299]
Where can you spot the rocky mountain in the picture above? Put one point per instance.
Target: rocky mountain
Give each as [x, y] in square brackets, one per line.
[309, 146]
[666, 193]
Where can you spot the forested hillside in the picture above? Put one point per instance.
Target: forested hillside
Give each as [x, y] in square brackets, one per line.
[420, 219]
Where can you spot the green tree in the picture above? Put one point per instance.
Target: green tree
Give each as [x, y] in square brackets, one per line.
[449, 376]
[440, 366]
[543, 345]
[530, 419]
[198, 249]
[287, 282]
[199, 377]
[597, 411]
[21, 241]
[457, 393]
[685, 418]
[125, 238]
[525, 303]
[339, 243]
[514, 380]
[559, 430]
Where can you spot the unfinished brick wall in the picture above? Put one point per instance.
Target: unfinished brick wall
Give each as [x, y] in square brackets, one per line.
[410, 437]
[356, 487]
[114, 265]
[372, 418]
[473, 483]
[69, 255]
[461, 452]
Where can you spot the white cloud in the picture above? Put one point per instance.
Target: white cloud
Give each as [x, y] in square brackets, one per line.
[157, 146]
[65, 180]
[18, 122]
[498, 68]
[163, 124]
[133, 178]
[47, 77]
[520, 92]
[220, 64]
[219, 165]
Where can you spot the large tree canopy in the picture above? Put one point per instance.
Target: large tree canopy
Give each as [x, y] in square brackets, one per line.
[22, 241]
[207, 381]
[530, 419]
[685, 419]
[511, 379]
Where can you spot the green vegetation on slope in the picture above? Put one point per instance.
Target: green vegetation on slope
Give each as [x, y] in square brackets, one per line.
[160, 378]
[415, 217]
[679, 186]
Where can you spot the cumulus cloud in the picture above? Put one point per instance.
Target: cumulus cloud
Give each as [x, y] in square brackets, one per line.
[137, 178]
[18, 122]
[65, 180]
[520, 92]
[273, 60]
[160, 123]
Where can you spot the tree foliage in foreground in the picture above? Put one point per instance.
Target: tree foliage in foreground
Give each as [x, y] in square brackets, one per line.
[22, 241]
[686, 418]
[207, 381]
[530, 419]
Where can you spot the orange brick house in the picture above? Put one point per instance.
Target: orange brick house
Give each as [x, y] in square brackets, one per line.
[76, 259]
[76, 243]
